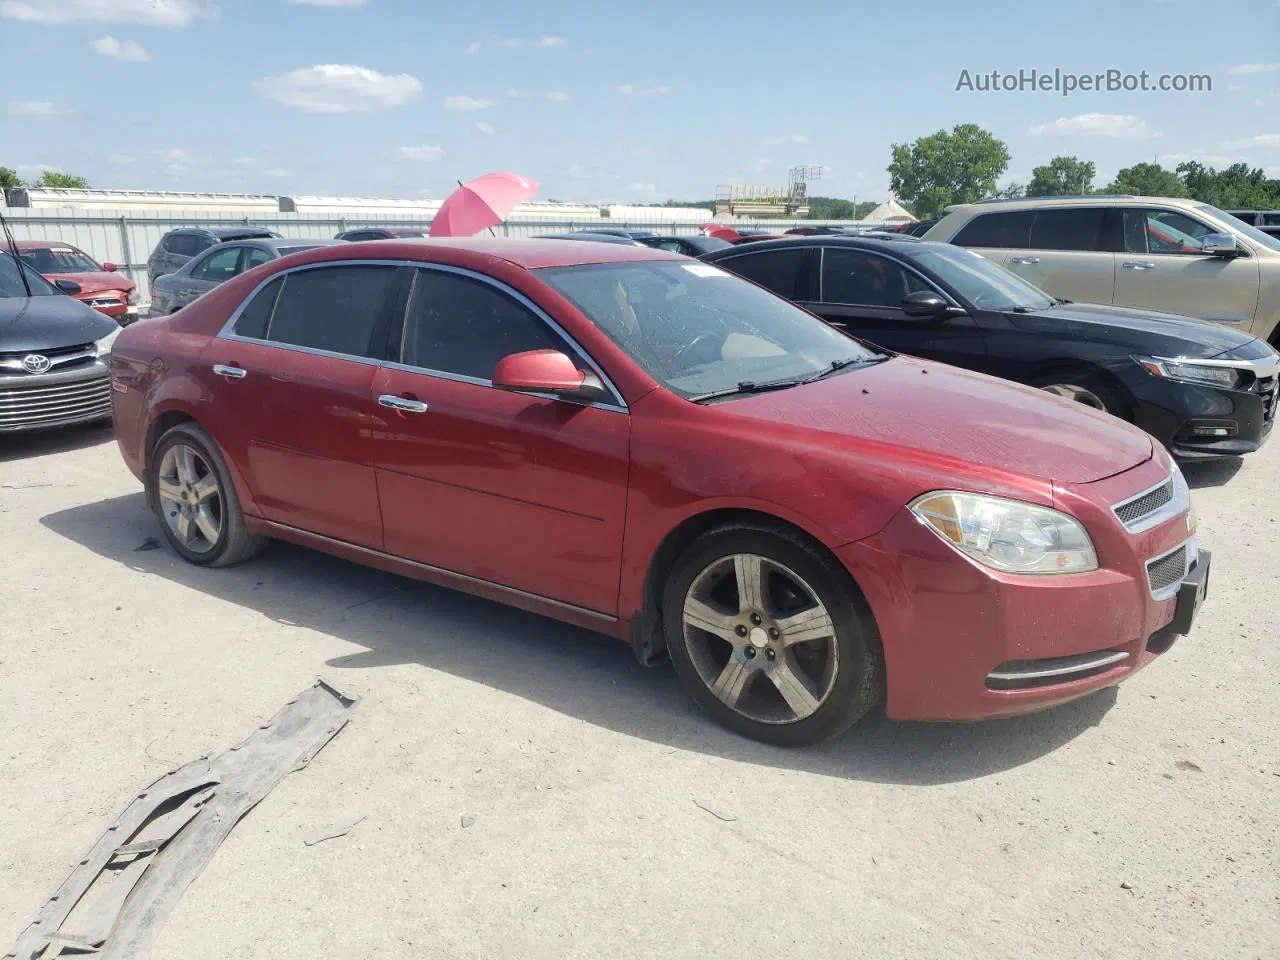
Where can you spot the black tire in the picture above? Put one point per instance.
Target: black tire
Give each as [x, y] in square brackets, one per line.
[857, 678]
[233, 543]
[1109, 400]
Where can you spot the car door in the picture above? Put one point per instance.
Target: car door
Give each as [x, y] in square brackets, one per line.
[1072, 253]
[1162, 268]
[212, 268]
[524, 491]
[861, 293]
[292, 375]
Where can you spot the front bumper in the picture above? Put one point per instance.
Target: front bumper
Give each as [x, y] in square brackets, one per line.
[1198, 422]
[962, 642]
[60, 398]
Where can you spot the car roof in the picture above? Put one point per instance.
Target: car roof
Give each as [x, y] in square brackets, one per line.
[275, 243]
[589, 235]
[529, 253]
[883, 242]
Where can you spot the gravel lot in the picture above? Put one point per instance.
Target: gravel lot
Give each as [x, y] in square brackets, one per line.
[606, 816]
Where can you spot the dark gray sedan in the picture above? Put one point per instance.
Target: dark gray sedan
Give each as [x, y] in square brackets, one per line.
[218, 264]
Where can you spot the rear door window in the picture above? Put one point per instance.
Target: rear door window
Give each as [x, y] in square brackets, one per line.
[1084, 228]
[785, 272]
[337, 309]
[1011, 229]
[256, 257]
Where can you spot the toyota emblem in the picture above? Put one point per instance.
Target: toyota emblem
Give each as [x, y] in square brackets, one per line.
[36, 363]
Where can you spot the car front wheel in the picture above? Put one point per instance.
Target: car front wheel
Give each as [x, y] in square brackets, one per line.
[767, 635]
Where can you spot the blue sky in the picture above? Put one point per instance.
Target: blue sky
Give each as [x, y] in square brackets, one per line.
[604, 100]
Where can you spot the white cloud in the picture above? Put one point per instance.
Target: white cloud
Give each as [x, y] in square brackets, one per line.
[244, 163]
[627, 90]
[37, 168]
[1245, 68]
[175, 155]
[558, 96]
[1233, 87]
[516, 95]
[794, 138]
[328, 3]
[339, 88]
[120, 159]
[420, 154]
[120, 49]
[485, 128]
[1265, 141]
[467, 103]
[515, 43]
[149, 13]
[37, 108]
[1117, 126]
[278, 172]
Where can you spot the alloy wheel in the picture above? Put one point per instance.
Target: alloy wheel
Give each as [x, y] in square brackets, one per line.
[760, 639]
[190, 498]
[1072, 391]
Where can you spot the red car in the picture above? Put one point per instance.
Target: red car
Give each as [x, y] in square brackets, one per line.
[668, 454]
[101, 285]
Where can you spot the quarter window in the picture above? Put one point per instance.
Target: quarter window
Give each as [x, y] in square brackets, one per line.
[1012, 229]
[463, 326]
[1085, 229]
[864, 279]
[333, 308]
[218, 266]
[254, 318]
[776, 270]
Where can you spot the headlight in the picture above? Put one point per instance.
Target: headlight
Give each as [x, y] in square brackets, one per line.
[1209, 374]
[104, 345]
[1008, 535]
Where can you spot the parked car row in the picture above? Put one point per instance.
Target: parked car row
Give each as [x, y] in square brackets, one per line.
[654, 448]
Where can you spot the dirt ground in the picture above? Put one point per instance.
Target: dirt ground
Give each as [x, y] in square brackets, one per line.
[527, 790]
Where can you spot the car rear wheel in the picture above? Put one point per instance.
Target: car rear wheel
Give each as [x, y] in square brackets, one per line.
[767, 636]
[191, 490]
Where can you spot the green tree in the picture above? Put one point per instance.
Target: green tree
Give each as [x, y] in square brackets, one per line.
[831, 208]
[1147, 180]
[9, 180]
[1014, 191]
[1237, 187]
[65, 181]
[957, 167]
[1062, 177]
[865, 207]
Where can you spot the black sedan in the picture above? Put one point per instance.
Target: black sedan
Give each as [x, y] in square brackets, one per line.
[54, 354]
[689, 246]
[1201, 389]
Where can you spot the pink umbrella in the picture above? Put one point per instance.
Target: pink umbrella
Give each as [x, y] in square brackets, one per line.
[481, 203]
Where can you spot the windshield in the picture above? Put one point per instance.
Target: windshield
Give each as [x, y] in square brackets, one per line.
[1253, 233]
[699, 330]
[11, 282]
[974, 278]
[59, 260]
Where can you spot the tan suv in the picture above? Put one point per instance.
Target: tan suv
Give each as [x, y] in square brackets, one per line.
[1154, 253]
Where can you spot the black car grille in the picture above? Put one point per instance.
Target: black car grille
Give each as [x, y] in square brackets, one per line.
[1267, 387]
[1145, 505]
[37, 405]
[1164, 572]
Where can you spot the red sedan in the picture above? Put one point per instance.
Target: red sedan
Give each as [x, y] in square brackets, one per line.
[652, 448]
[101, 286]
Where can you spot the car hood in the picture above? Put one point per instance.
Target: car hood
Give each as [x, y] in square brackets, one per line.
[1148, 330]
[47, 323]
[934, 409]
[94, 282]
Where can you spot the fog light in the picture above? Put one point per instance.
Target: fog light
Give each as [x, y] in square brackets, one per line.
[1217, 431]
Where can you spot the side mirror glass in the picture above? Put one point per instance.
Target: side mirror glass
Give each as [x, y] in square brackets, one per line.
[1219, 245]
[925, 305]
[547, 371]
[69, 287]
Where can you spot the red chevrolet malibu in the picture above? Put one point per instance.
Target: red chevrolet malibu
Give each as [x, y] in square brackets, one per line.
[647, 446]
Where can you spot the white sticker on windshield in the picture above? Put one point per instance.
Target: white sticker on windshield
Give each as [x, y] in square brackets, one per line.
[60, 250]
[705, 270]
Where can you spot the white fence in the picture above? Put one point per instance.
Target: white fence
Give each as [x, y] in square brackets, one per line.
[127, 240]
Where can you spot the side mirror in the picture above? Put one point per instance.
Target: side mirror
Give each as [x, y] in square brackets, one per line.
[925, 305]
[69, 287]
[1220, 245]
[547, 371]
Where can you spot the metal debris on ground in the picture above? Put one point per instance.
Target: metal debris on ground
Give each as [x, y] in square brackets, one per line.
[336, 833]
[115, 901]
[727, 818]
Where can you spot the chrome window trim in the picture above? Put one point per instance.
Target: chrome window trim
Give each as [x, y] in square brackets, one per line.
[228, 329]
[1178, 504]
[1192, 558]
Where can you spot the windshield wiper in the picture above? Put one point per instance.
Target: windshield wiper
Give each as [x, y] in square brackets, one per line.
[835, 365]
[748, 386]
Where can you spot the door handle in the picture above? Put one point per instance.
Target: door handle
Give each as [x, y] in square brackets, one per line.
[1024, 259]
[1138, 265]
[404, 404]
[235, 373]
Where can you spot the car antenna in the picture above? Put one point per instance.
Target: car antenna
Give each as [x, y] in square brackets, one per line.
[17, 260]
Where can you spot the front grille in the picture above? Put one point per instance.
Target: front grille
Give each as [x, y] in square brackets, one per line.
[61, 358]
[34, 406]
[105, 302]
[1267, 388]
[1167, 571]
[1135, 510]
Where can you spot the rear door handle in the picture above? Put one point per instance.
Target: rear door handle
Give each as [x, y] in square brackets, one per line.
[1138, 265]
[1024, 259]
[404, 404]
[235, 373]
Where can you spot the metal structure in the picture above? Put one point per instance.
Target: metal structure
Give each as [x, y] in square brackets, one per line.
[744, 200]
